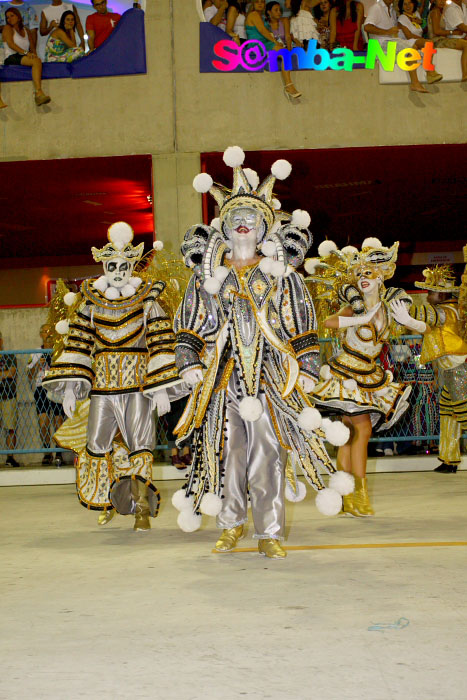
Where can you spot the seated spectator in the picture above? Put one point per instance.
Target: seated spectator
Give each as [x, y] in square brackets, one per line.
[216, 13]
[322, 15]
[235, 26]
[346, 25]
[302, 25]
[8, 413]
[20, 49]
[28, 14]
[285, 6]
[52, 14]
[61, 45]
[381, 24]
[444, 38]
[409, 20]
[100, 25]
[279, 26]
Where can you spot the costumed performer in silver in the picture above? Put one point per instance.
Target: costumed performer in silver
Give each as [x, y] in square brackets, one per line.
[247, 343]
[119, 350]
[442, 322]
[353, 384]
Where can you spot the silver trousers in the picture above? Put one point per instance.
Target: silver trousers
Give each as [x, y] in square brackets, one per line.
[129, 413]
[254, 461]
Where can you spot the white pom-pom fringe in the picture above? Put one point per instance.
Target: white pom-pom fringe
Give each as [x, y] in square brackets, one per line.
[210, 504]
[350, 384]
[158, 245]
[328, 502]
[295, 496]
[120, 234]
[127, 291]
[372, 243]
[62, 327]
[337, 433]
[111, 293]
[325, 372]
[310, 265]
[220, 273]
[189, 521]
[250, 409]
[342, 482]
[252, 177]
[69, 298]
[211, 285]
[349, 250]
[281, 169]
[234, 156]
[300, 218]
[135, 282]
[309, 419]
[277, 268]
[265, 265]
[325, 248]
[325, 423]
[276, 204]
[268, 248]
[202, 183]
[101, 283]
[216, 223]
[181, 502]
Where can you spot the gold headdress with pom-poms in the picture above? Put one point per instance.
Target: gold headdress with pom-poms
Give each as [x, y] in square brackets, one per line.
[440, 278]
[120, 235]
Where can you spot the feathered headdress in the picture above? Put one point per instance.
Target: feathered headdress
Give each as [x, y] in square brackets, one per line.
[440, 278]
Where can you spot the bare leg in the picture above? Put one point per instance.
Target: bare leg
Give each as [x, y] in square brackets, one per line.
[11, 440]
[343, 453]
[36, 65]
[359, 444]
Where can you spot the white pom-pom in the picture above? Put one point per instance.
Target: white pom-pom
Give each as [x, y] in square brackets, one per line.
[216, 223]
[350, 384]
[189, 521]
[210, 504]
[158, 245]
[250, 409]
[337, 433]
[101, 283]
[325, 372]
[120, 234]
[328, 502]
[372, 243]
[69, 298]
[211, 285]
[281, 169]
[349, 250]
[325, 248]
[202, 183]
[325, 423]
[265, 265]
[342, 482]
[275, 227]
[111, 293]
[252, 177]
[62, 327]
[277, 268]
[229, 255]
[309, 419]
[295, 496]
[127, 291]
[233, 156]
[135, 282]
[310, 265]
[220, 273]
[268, 248]
[276, 204]
[181, 502]
[300, 218]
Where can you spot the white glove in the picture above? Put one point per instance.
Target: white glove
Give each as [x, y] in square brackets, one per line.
[402, 316]
[306, 383]
[69, 401]
[360, 320]
[192, 376]
[160, 402]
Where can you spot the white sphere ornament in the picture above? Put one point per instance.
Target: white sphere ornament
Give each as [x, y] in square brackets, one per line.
[233, 156]
[276, 205]
[210, 504]
[309, 419]
[252, 177]
[328, 502]
[101, 283]
[310, 265]
[181, 501]
[300, 218]
[120, 234]
[111, 293]
[337, 433]
[127, 291]
[203, 183]
[216, 223]
[250, 409]
[295, 496]
[277, 225]
[220, 273]
[70, 298]
[211, 285]
[277, 268]
[350, 384]
[325, 372]
[281, 169]
[342, 482]
[62, 327]
[372, 243]
[265, 265]
[349, 250]
[269, 249]
[189, 521]
[158, 245]
[325, 248]
[135, 282]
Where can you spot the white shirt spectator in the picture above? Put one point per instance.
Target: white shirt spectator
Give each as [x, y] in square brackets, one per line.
[239, 26]
[383, 17]
[303, 26]
[453, 15]
[55, 12]
[414, 28]
[366, 6]
[211, 12]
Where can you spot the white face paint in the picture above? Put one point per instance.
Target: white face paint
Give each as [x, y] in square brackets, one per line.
[243, 227]
[118, 272]
[367, 279]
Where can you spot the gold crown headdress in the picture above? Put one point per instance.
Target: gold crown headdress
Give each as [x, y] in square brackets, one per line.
[120, 236]
[440, 278]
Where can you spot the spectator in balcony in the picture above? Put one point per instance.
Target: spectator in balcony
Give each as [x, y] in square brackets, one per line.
[455, 18]
[235, 26]
[61, 45]
[444, 38]
[279, 25]
[409, 20]
[381, 24]
[302, 24]
[322, 15]
[100, 25]
[52, 14]
[346, 25]
[20, 49]
[8, 412]
[216, 13]
[28, 14]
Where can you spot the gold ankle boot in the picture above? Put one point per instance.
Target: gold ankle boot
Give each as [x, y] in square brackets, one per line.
[142, 513]
[271, 548]
[347, 505]
[106, 516]
[360, 499]
[229, 538]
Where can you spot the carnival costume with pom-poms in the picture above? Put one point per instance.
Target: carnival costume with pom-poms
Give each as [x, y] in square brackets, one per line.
[353, 383]
[118, 349]
[253, 331]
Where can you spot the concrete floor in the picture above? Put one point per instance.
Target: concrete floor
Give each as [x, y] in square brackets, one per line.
[109, 613]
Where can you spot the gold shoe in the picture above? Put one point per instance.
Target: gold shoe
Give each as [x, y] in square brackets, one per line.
[272, 549]
[229, 538]
[347, 505]
[360, 499]
[142, 512]
[106, 516]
